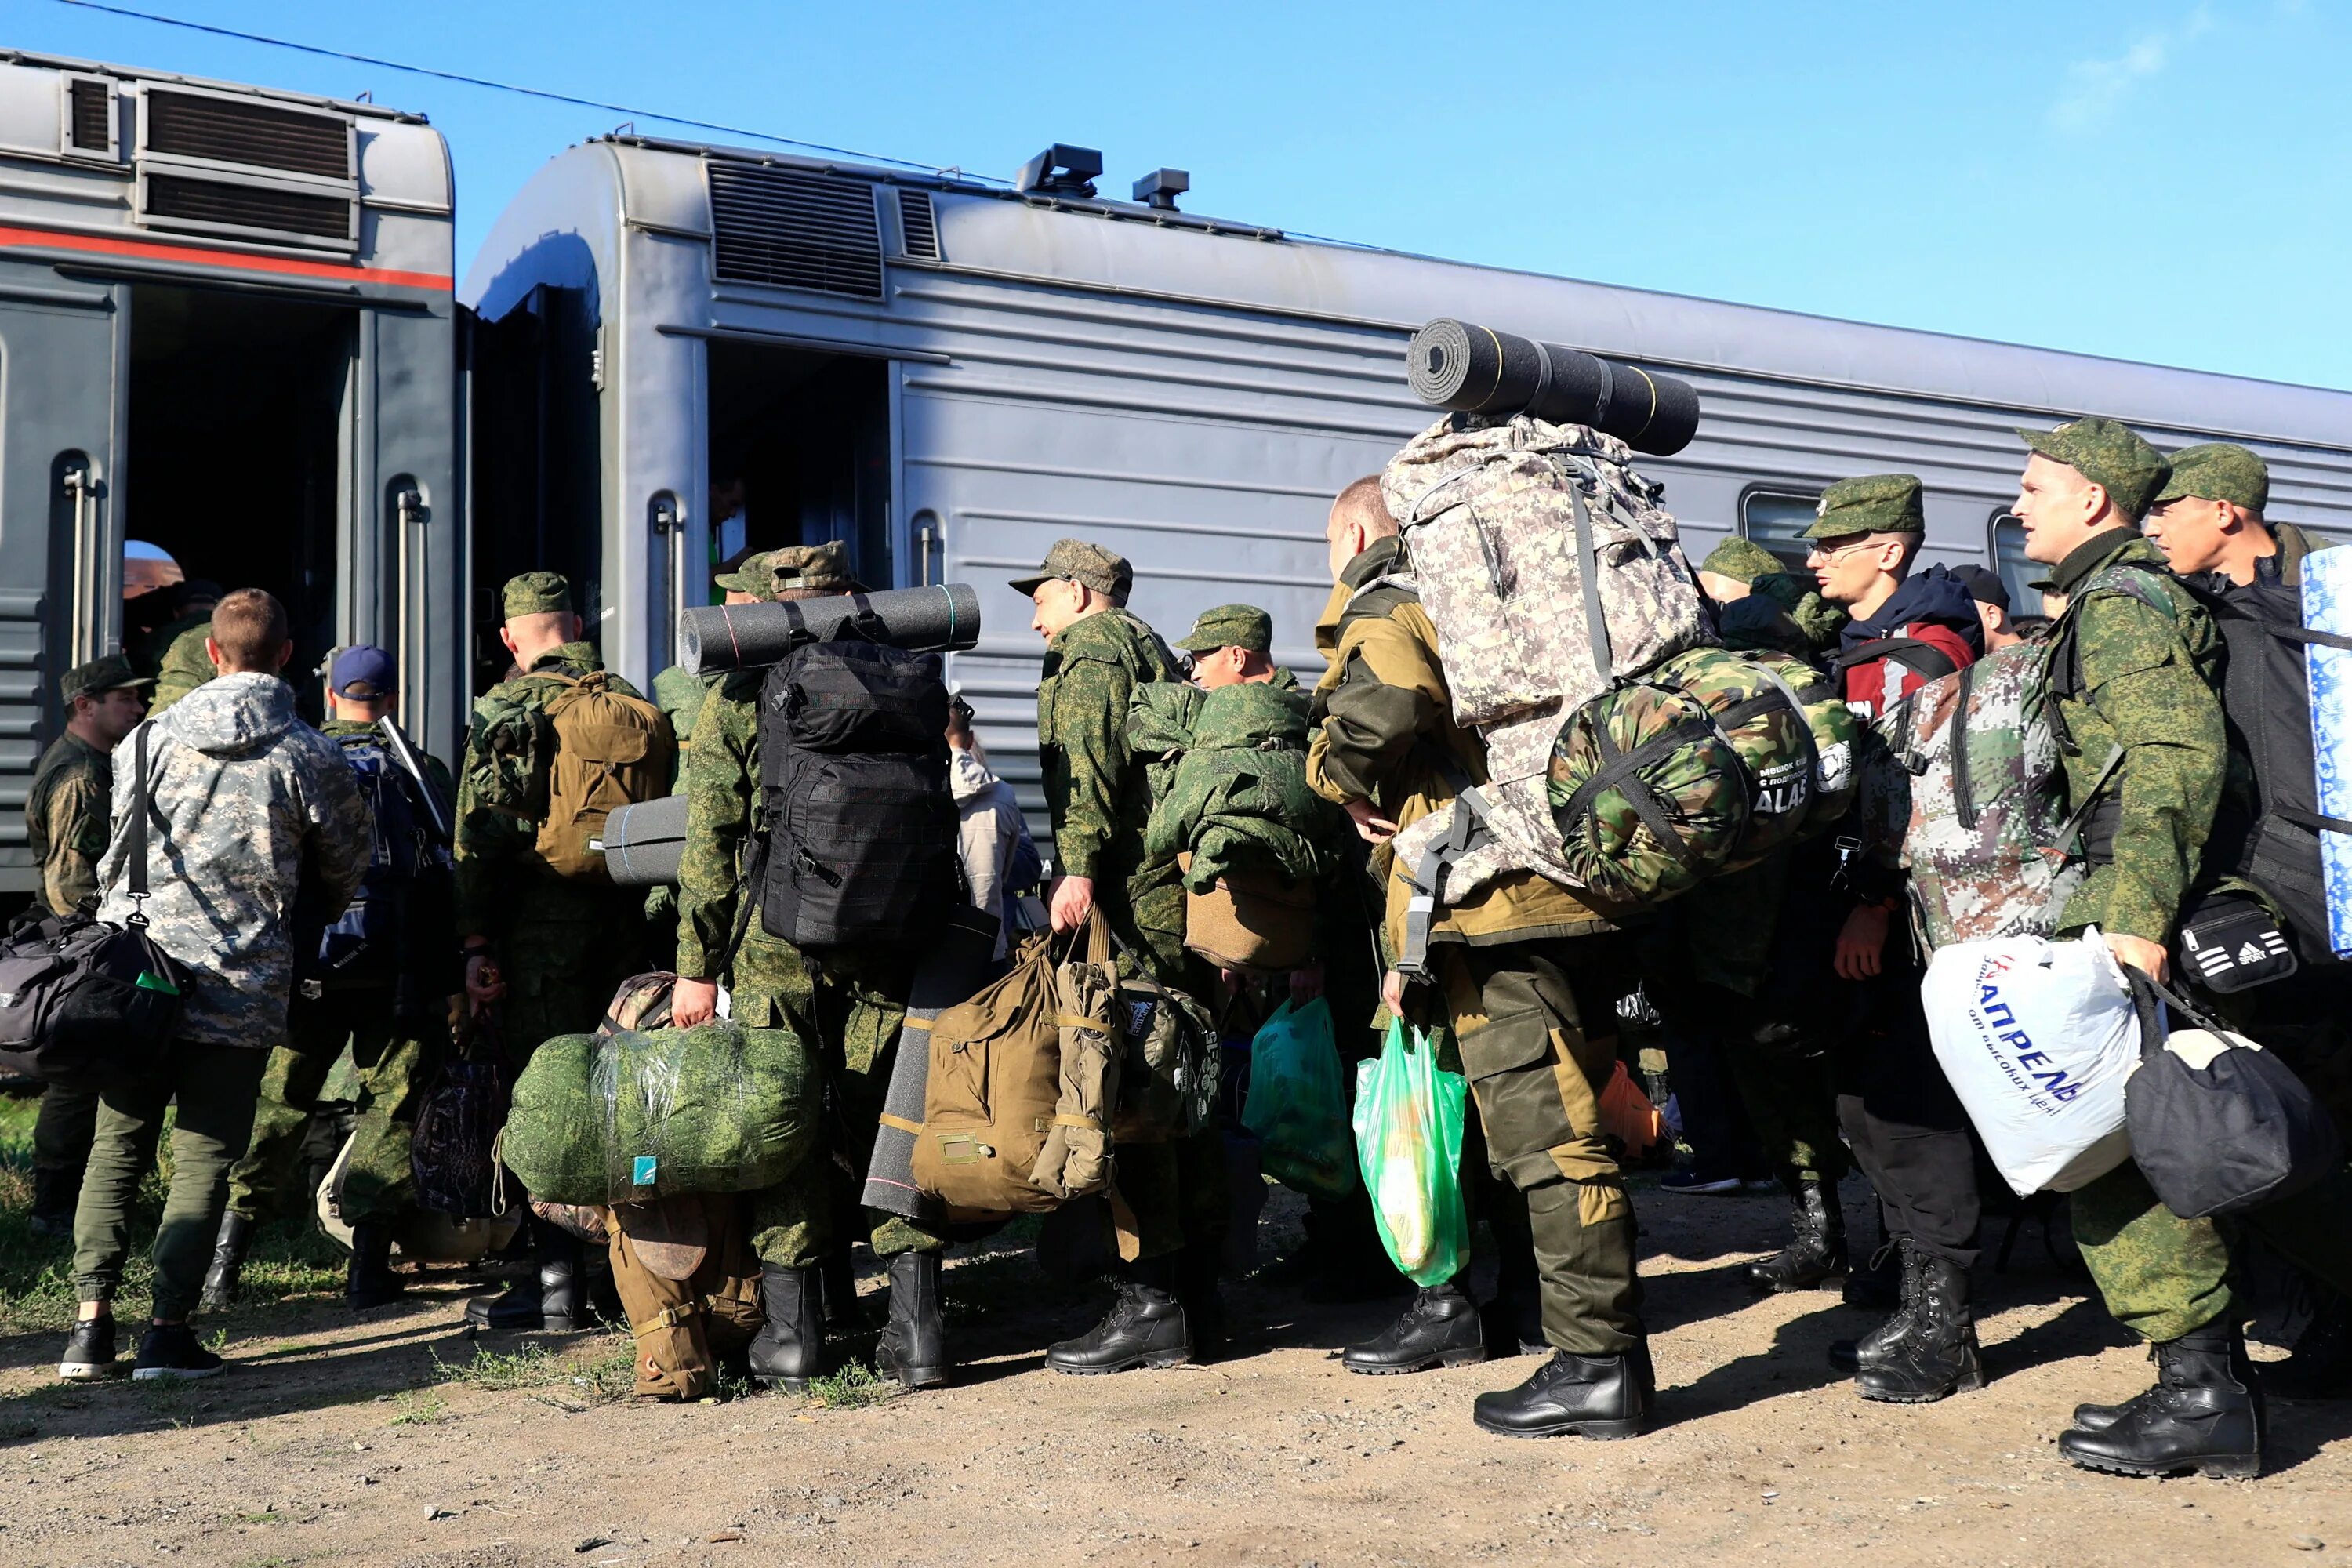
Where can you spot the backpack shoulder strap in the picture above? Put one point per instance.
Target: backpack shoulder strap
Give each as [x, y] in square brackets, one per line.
[1924, 656]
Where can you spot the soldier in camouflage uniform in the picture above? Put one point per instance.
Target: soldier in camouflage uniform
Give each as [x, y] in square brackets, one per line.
[66, 827]
[2133, 664]
[545, 952]
[846, 1011]
[1170, 1196]
[391, 1030]
[245, 803]
[1529, 980]
[743, 580]
[184, 666]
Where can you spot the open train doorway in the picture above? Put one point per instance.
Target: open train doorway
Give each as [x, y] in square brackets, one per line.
[236, 454]
[800, 453]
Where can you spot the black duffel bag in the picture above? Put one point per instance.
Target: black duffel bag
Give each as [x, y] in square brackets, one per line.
[2218, 1124]
[84, 1003]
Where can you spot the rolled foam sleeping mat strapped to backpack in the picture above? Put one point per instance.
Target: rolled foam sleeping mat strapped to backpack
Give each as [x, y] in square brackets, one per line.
[940, 619]
[643, 844]
[956, 964]
[1477, 370]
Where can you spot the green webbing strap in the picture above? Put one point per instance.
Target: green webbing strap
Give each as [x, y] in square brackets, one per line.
[1620, 770]
[1587, 568]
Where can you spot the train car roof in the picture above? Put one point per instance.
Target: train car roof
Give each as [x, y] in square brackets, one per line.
[1125, 247]
[140, 73]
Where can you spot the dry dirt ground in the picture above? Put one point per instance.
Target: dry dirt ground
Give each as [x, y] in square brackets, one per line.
[394, 1439]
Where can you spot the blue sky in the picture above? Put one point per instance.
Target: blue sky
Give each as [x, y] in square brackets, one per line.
[2163, 181]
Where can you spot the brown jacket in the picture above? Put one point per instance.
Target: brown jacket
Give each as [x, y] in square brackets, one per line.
[1386, 733]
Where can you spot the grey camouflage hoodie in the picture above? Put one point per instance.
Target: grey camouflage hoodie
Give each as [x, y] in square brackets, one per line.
[243, 790]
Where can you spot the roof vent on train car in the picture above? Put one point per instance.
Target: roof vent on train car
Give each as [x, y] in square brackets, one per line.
[919, 227]
[794, 229]
[206, 129]
[89, 117]
[1060, 171]
[1160, 188]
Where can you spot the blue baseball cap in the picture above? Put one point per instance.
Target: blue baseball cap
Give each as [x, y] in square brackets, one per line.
[361, 665]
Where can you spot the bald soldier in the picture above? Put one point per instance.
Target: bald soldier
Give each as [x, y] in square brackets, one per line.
[543, 952]
[66, 821]
[1170, 1192]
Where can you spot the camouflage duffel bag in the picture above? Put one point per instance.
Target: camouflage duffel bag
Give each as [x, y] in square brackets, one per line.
[1794, 736]
[1647, 794]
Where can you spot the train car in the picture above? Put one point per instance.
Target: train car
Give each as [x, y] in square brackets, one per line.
[688, 348]
[228, 351]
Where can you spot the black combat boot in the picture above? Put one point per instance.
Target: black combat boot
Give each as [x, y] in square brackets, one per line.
[913, 1348]
[1592, 1396]
[1877, 1287]
[1849, 1356]
[838, 1272]
[1441, 1327]
[1816, 1253]
[223, 1279]
[372, 1282]
[1146, 1326]
[2321, 1366]
[550, 1301]
[790, 1347]
[2205, 1414]
[1936, 1353]
[1198, 1269]
[55, 1193]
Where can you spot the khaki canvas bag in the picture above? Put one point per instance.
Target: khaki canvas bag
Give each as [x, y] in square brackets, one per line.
[1023, 1081]
[612, 750]
[1255, 920]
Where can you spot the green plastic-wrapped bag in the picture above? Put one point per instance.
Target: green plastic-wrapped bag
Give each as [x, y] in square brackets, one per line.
[1297, 1105]
[1409, 1139]
[628, 1115]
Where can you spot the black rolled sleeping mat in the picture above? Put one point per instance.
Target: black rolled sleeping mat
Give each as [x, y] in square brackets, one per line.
[1479, 370]
[745, 637]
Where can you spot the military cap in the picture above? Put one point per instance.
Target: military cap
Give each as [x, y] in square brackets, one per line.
[1874, 503]
[1743, 560]
[109, 672]
[1983, 584]
[2108, 454]
[747, 572]
[1230, 625]
[809, 568]
[2218, 472]
[536, 593]
[1104, 570]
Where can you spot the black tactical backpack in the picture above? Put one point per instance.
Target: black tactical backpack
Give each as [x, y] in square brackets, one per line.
[859, 828]
[84, 1003]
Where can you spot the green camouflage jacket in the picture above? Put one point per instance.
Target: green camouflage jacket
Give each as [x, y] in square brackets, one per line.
[495, 892]
[184, 666]
[1237, 796]
[340, 730]
[723, 811]
[1097, 793]
[2144, 679]
[66, 820]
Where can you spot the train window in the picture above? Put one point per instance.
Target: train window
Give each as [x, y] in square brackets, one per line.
[2007, 536]
[1777, 519]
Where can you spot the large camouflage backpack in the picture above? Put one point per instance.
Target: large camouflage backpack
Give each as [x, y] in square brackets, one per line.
[1712, 762]
[1977, 795]
[1551, 573]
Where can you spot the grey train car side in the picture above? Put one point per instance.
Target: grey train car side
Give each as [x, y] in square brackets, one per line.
[227, 340]
[950, 376]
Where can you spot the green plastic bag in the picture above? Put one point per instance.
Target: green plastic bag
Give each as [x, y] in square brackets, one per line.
[1297, 1105]
[1408, 1138]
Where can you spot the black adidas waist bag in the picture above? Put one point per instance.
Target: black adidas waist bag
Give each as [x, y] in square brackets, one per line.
[860, 841]
[85, 1003]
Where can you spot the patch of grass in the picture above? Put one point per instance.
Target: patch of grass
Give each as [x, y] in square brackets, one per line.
[855, 1387]
[417, 1408]
[603, 1369]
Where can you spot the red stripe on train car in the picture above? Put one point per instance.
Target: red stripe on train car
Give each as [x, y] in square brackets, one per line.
[147, 250]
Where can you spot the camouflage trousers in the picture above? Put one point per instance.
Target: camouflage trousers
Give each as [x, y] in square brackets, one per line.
[1170, 1196]
[847, 1009]
[390, 1056]
[561, 976]
[1535, 1025]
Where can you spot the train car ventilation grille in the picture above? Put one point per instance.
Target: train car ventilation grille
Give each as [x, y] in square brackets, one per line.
[174, 199]
[93, 117]
[918, 223]
[795, 230]
[256, 135]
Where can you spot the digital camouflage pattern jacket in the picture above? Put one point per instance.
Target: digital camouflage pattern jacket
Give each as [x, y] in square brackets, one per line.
[500, 888]
[67, 812]
[1097, 793]
[2125, 673]
[246, 800]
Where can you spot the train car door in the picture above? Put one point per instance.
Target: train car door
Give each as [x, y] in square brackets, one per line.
[62, 398]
